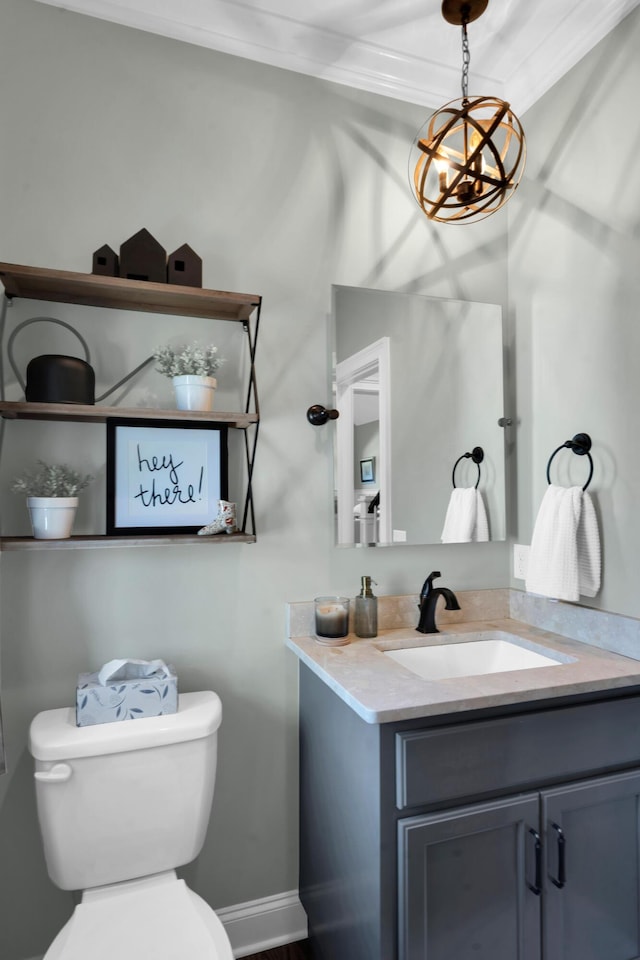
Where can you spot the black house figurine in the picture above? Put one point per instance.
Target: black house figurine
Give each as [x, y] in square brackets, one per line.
[142, 258]
[185, 267]
[105, 262]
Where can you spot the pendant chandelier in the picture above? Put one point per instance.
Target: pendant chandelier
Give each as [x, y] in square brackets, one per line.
[468, 158]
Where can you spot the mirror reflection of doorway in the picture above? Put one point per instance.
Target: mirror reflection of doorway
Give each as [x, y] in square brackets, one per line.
[363, 399]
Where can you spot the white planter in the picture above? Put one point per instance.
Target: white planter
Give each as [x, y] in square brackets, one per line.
[52, 517]
[194, 393]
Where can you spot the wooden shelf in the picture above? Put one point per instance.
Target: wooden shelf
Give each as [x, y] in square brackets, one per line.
[87, 413]
[61, 286]
[101, 541]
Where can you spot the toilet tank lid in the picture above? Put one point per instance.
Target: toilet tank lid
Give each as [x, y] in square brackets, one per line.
[53, 734]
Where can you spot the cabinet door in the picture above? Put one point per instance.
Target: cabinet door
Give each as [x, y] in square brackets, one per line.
[468, 883]
[592, 892]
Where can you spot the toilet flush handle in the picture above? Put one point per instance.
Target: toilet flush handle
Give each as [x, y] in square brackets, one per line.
[58, 773]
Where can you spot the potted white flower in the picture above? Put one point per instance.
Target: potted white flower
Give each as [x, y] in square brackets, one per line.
[52, 498]
[191, 368]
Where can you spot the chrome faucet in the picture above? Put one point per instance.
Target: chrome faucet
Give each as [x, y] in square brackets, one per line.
[428, 600]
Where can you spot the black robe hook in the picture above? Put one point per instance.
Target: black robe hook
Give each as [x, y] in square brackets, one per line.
[317, 415]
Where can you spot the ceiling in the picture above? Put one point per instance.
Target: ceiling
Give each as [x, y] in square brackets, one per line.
[399, 48]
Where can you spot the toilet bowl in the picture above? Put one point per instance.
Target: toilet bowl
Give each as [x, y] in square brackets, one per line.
[157, 917]
[120, 807]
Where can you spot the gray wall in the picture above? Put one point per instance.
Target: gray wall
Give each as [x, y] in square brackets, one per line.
[574, 282]
[284, 185]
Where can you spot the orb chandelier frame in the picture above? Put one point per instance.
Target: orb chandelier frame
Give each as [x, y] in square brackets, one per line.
[468, 158]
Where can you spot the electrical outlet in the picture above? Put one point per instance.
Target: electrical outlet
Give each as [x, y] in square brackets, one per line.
[520, 561]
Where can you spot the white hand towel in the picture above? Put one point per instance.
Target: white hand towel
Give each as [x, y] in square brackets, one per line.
[589, 553]
[564, 561]
[481, 531]
[466, 517]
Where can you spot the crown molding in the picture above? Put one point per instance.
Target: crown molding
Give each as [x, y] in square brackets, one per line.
[550, 46]
[578, 33]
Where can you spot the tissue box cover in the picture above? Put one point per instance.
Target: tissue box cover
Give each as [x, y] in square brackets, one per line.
[125, 699]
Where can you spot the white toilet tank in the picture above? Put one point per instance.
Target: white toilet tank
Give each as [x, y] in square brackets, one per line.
[128, 799]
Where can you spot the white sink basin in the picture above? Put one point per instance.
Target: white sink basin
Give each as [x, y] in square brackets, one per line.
[459, 656]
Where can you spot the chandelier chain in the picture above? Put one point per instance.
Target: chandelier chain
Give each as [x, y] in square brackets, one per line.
[466, 60]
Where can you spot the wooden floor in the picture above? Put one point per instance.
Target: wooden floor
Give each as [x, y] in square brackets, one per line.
[292, 951]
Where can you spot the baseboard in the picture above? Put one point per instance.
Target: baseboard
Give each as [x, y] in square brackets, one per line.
[263, 924]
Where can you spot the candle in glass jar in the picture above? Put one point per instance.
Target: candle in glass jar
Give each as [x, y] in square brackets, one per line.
[332, 616]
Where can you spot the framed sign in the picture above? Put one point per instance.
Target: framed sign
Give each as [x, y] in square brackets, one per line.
[367, 470]
[163, 477]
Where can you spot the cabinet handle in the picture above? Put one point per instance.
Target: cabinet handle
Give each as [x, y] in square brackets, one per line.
[536, 886]
[560, 881]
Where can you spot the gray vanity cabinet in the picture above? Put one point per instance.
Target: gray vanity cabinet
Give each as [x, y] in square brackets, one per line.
[511, 836]
[462, 883]
[591, 907]
[490, 879]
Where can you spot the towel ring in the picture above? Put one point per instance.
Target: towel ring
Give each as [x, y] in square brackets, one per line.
[477, 455]
[580, 445]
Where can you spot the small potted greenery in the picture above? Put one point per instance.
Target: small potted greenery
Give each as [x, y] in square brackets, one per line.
[191, 367]
[52, 498]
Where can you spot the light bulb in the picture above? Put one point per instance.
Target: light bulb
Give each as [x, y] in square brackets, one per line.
[442, 166]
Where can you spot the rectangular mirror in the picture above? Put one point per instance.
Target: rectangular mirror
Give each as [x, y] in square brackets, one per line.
[419, 387]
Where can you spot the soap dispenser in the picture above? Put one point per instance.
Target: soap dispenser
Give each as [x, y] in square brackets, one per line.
[366, 618]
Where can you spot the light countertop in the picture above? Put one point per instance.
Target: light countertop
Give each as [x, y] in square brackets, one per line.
[380, 690]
